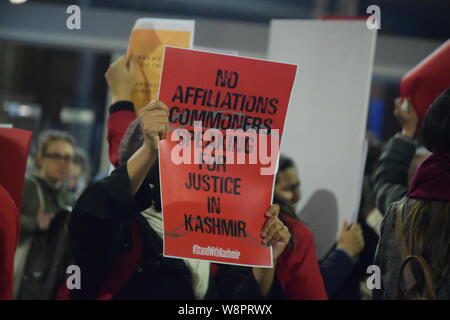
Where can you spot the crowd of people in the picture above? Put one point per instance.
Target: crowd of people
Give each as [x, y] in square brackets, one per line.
[112, 228]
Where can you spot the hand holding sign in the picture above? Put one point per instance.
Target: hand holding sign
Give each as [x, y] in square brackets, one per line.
[351, 239]
[153, 119]
[406, 116]
[275, 233]
[121, 77]
[153, 122]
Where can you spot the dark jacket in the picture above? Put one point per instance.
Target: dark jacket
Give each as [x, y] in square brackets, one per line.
[335, 268]
[100, 232]
[47, 248]
[350, 288]
[388, 258]
[54, 200]
[391, 176]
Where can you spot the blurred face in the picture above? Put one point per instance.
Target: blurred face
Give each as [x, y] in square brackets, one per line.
[287, 187]
[56, 162]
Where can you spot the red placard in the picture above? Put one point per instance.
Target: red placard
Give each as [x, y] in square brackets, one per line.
[427, 80]
[215, 211]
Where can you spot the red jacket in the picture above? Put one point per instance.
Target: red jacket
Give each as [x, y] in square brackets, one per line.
[121, 115]
[297, 268]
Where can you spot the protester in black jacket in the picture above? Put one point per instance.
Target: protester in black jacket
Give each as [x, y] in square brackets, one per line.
[398, 161]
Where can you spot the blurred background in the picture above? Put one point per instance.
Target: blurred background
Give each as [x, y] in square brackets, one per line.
[52, 77]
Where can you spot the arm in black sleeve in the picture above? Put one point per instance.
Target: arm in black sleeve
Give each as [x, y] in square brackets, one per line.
[391, 176]
[335, 268]
[238, 283]
[97, 226]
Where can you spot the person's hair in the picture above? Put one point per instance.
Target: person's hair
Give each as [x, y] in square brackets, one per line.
[131, 142]
[427, 230]
[49, 136]
[436, 124]
[284, 163]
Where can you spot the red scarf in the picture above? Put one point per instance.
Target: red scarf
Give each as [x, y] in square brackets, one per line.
[432, 179]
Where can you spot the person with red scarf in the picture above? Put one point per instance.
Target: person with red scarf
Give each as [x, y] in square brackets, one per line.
[419, 225]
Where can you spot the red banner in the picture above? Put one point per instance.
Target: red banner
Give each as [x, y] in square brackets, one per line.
[226, 120]
[427, 80]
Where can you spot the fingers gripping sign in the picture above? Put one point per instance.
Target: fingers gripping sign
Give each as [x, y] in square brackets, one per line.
[121, 78]
[154, 123]
[274, 232]
[407, 116]
[153, 119]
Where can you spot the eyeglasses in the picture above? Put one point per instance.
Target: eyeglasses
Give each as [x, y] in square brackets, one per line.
[57, 157]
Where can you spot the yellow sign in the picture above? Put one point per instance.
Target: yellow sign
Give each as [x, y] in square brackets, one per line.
[147, 42]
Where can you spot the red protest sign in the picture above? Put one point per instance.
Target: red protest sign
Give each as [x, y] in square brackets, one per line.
[427, 80]
[227, 111]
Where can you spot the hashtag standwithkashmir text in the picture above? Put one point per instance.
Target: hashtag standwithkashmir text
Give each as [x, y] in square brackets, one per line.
[215, 252]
